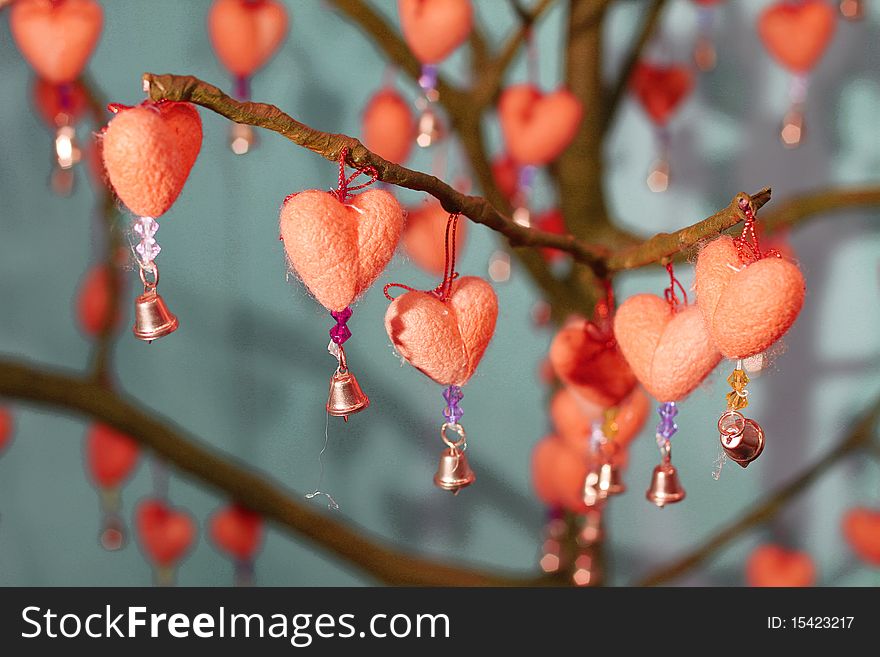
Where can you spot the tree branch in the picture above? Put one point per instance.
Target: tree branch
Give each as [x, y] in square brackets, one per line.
[860, 438]
[254, 490]
[615, 95]
[796, 209]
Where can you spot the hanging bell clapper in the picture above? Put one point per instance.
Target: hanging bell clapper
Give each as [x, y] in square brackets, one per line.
[454, 472]
[346, 396]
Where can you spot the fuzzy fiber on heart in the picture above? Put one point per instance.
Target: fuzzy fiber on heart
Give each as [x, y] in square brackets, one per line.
[166, 533]
[444, 340]
[246, 33]
[388, 127]
[590, 364]
[337, 249]
[424, 236]
[573, 417]
[861, 528]
[110, 455]
[537, 127]
[237, 531]
[746, 307]
[772, 565]
[797, 34]
[433, 29]
[148, 152]
[558, 474]
[669, 351]
[56, 38]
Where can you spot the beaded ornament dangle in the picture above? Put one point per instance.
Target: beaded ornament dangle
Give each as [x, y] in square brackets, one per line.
[444, 332]
[705, 56]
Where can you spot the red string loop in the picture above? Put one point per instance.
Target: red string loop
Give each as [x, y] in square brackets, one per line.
[670, 293]
[344, 188]
[748, 248]
[443, 290]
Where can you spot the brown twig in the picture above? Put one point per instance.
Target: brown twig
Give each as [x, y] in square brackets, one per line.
[861, 437]
[254, 490]
[615, 95]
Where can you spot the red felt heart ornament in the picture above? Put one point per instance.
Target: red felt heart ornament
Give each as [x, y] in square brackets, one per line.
[797, 34]
[165, 533]
[238, 531]
[661, 89]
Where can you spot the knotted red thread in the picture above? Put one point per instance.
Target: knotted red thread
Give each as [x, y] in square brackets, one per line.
[747, 245]
[443, 290]
[669, 293]
[344, 188]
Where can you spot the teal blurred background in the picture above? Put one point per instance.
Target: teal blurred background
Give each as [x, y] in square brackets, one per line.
[247, 370]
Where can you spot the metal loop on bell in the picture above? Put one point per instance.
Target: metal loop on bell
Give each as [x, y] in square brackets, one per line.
[461, 443]
[731, 423]
[343, 364]
[150, 268]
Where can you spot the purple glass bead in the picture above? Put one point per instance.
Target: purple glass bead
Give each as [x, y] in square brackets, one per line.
[453, 395]
[428, 78]
[340, 333]
[667, 426]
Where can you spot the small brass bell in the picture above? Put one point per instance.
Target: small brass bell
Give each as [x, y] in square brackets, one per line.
[593, 494]
[610, 480]
[152, 319]
[454, 473]
[745, 446]
[665, 486]
[430, 129]
[346, 396]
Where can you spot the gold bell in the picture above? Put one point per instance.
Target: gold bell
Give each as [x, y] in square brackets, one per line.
[745, 446]
[610, 480]
[665, 486]
[346, 396]
[454, 473]
[152, 319]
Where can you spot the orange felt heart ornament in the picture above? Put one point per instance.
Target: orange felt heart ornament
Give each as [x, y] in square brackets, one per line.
[56, 38]
[771, 565]
[558, 474]
[246, 33]
[861, 528]
[661, 89]
[573, 417]
[669, 350]
[388, 126]
[797, 34]
[148, 152]
[338, 249]
[433, 29]
[591, 364]
[424, 236]
[746, 307]
[165, 533]
[538, 127]
[238, 531]
[444, 340]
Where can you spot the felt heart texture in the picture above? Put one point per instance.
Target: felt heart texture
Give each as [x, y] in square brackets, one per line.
[797, 34]
[246, 33]
[148, 152]
[772, 565]
[591, 364]
[746, 308]
[165, 533]
[558, 474]
[424, 236]
[573, 417]
[238, 531]
[6, 426]
[337, 249]
[669, 351]
[388, 126]
[537, 127]
[444, 340]
[661, 89]
[110, 455]
[56, 38]
[861, 528]
[433, 29]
